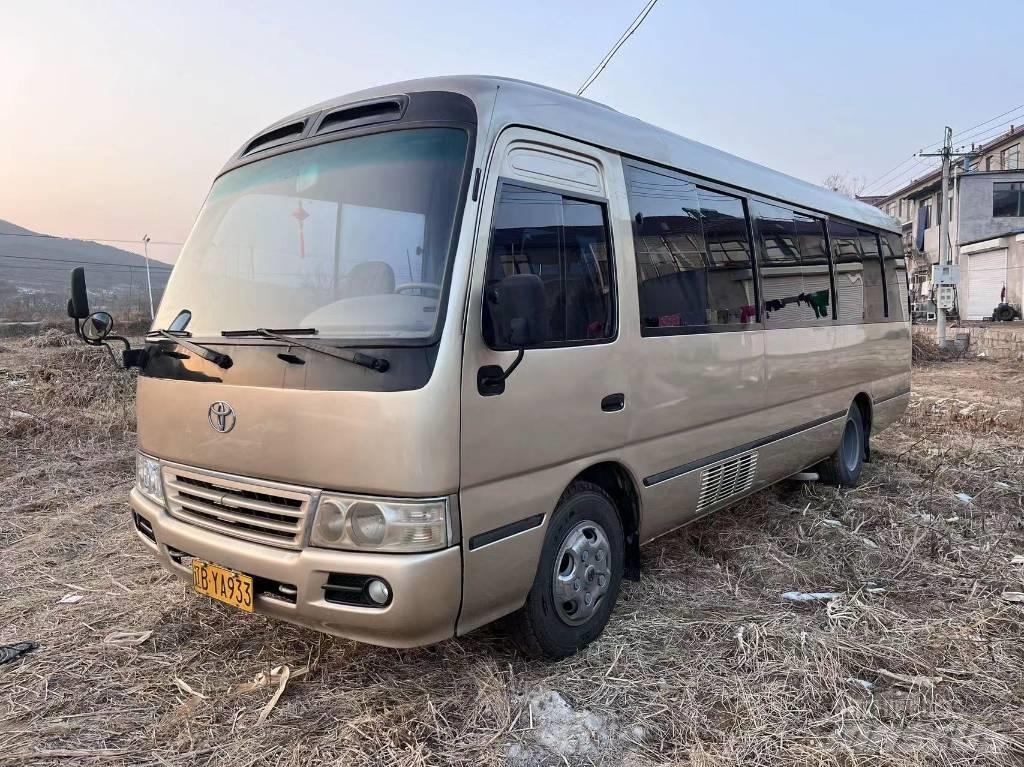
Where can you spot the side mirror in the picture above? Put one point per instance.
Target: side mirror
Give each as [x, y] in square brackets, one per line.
[516, 317]
[78, 306]
[518, 312]
[97, 326]
[97, 329]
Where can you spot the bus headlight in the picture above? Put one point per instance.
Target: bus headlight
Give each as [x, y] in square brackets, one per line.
[384, 525]
[148, 479]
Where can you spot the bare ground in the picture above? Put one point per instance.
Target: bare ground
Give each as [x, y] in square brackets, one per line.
[920, 660]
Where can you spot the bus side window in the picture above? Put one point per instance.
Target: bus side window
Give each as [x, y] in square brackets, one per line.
[874, 285]
[795, 280]
[895, 267]
[693, 257]
[848, 267]
[565, 242]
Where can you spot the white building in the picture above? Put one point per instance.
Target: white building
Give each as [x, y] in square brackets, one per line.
[986, 224]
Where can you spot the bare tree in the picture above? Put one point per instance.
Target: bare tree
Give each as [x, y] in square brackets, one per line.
[844, 183]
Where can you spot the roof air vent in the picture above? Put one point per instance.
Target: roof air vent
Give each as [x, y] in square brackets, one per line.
[366, 113]
[277, 136]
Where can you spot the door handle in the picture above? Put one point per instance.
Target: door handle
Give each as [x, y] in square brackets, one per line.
[613, 402]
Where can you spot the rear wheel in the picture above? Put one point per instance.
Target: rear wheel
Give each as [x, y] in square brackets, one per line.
[578, 578]
[844, 466]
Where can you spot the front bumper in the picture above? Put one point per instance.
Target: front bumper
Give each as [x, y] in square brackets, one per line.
[426, 588]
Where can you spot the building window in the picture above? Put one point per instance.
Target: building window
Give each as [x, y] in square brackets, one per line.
[796, 282]
[1009, 158]
[693, 256]
[565, 242]
[988, 163]
[1008, 199]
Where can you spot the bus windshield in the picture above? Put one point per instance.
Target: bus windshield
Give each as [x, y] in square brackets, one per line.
[351, 237]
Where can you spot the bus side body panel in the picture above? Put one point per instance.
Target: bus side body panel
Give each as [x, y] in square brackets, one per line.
[810, 381]
[890, 392]
[694, 402]
[693, 396]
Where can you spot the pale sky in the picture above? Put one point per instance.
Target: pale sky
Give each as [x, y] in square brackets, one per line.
[115, 116]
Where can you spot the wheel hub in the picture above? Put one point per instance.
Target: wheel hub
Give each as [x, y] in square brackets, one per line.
[582, 573]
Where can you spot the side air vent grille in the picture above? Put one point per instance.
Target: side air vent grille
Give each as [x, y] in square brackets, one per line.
[726, 479]
[277, 136]
[367, 113]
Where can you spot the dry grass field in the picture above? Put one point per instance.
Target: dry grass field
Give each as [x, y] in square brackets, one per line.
[917, 659]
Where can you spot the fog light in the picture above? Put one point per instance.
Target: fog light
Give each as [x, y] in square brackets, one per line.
[378, 591]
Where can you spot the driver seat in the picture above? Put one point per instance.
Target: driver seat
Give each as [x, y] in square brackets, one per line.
[370, 278]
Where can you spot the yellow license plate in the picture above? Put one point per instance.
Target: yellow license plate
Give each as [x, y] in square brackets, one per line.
[222, 584]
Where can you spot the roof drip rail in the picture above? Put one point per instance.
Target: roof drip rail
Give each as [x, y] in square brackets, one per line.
[366, 113]
[275, 137]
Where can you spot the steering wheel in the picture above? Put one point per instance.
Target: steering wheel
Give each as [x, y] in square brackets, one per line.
[422, 286]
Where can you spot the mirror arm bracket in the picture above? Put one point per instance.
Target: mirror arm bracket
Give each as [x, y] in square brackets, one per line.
[520, 353]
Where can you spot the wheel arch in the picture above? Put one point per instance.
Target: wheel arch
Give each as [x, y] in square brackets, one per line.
[616, 480]
[866, 407]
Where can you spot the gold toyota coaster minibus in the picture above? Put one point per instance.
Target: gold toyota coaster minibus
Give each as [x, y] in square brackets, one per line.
[452, 349]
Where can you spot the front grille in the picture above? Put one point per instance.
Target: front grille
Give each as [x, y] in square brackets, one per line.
[242, 508]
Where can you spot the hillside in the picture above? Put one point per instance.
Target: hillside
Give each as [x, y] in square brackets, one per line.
[34, 273]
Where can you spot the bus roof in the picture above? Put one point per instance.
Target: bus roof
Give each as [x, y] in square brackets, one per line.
[501, 102]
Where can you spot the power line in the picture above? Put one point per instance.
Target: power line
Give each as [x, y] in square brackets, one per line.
[886, 175]
[86, 239]
[914, 172]
[960, 133]
[989, 134]
[615, 48]
[959, 136]
[79, 262]
[65, 270]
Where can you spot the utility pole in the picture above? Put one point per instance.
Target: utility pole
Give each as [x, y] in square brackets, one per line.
[149, 281]
[940, 322]
[942, 273]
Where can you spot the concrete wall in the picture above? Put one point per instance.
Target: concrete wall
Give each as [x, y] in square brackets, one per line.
[976, 221]
[996, 341]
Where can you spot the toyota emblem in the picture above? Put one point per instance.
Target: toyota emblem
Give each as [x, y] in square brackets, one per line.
[222, 417]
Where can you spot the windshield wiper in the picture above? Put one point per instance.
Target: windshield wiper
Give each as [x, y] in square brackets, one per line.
[286, 336]
[180, 337]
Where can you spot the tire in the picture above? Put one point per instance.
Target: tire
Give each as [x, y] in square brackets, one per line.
[584, 543]
[844, 466]
[1003, 313]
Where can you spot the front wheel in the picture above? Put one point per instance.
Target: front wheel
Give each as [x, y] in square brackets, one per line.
[578, 578]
